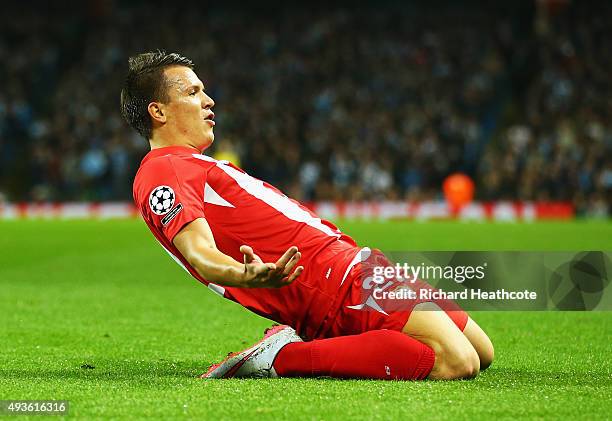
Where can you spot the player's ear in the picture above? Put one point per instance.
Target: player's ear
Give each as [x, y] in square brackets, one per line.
[156, 112]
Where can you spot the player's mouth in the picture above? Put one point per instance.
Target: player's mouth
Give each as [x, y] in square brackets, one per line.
[210, 119]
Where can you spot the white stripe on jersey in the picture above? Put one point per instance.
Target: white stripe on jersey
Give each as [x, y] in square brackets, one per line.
[361, 256]
[212, 197]
[217, 289]
[176, 259]
[279, 202]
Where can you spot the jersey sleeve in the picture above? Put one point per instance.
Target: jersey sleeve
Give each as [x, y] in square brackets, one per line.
[170, 194]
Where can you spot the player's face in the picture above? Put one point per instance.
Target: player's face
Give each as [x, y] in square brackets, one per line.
[189, 109]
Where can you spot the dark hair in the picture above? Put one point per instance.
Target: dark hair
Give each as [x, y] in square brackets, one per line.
[145, 82]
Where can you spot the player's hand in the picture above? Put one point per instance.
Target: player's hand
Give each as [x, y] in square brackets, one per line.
[258, 274]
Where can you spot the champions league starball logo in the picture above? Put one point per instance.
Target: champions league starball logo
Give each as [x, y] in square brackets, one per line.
[161, 200]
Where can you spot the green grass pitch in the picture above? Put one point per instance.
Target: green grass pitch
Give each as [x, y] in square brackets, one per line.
[96, 313]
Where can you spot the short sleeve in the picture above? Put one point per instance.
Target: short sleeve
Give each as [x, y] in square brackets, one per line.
[170, 194]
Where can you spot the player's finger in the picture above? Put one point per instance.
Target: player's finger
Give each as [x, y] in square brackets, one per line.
[291, 264]
[286, 257]
[298, 271]
[244, 249]
[248, 253]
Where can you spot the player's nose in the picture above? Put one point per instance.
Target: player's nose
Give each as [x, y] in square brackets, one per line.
[207, 102]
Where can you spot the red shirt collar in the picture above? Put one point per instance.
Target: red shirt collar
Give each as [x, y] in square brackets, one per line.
[170, 150]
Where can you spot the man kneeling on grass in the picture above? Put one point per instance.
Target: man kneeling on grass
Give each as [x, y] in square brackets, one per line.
[250, 243]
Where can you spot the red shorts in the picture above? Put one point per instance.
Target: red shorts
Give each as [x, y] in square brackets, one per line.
[354, 316]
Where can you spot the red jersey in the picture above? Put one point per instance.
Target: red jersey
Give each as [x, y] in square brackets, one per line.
[176, 185]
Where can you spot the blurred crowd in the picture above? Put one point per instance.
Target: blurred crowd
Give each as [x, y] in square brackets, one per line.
[364, 104]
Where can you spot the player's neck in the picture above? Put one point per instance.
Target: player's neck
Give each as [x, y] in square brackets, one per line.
[160, 140]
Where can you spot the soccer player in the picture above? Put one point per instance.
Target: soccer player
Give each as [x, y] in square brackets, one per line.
[250, 243]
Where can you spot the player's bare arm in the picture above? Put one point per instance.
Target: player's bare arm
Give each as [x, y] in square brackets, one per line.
[197, 244]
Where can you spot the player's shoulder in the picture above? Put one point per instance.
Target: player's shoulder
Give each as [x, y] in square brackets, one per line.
[165, 165]
[175, 170]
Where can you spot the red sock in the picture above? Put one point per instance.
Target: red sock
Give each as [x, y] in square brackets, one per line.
[378, 354]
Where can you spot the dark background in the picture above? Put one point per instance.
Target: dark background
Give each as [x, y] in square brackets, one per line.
[380, 101]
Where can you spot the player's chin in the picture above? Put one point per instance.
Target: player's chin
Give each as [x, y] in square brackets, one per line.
[208, 140]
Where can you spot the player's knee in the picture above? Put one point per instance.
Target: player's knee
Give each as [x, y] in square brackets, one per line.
[465, 364]
[470, 366]
[481, 343]
[461, 363]
[487, 354]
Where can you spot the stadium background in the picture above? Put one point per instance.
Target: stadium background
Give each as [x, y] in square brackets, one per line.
[359, 111]
[370, 103]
